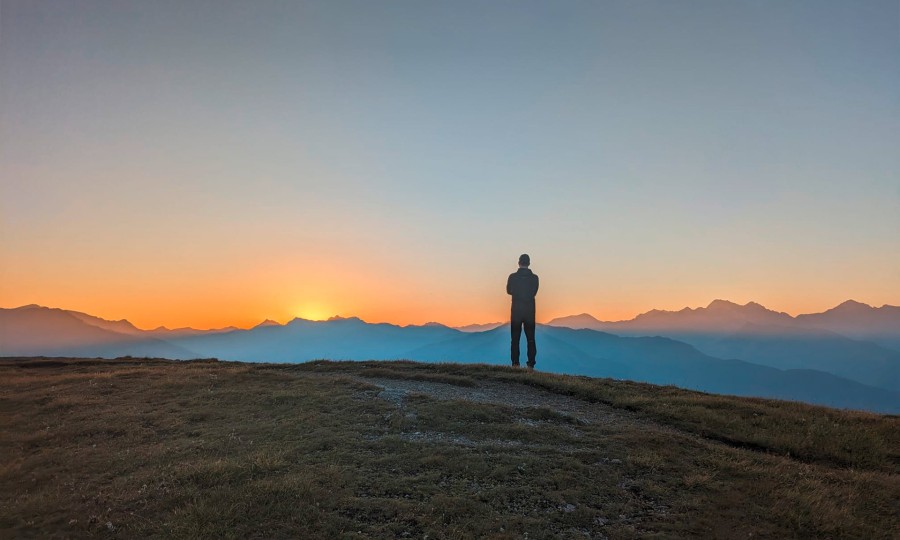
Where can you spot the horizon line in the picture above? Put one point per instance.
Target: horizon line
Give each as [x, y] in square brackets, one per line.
[338, 317]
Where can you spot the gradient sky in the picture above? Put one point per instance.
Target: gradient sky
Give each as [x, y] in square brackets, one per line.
[214, 163]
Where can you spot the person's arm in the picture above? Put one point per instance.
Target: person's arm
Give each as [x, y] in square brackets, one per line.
[537, 284]
[509, 285]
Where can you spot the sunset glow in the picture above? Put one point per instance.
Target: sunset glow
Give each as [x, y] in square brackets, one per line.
[392, 161]
[314, 312]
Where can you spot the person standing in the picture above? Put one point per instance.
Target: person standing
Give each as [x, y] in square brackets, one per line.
[522, 285]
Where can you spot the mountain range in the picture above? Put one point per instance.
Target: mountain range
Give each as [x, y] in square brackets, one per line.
[850, 319]
[853, 340]
[723, 348]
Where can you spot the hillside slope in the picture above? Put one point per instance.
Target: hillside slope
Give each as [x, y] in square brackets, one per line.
[398, 449]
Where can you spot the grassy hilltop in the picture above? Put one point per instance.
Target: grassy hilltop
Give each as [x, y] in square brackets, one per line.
[136, 448]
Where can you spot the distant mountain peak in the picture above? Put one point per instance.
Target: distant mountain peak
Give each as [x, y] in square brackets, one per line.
[480, 327]
[852, 304]
[582, 317]
[723, 304]
[267, 322]
[338, 318]
[222, 330]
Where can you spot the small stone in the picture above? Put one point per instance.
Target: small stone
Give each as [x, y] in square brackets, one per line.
[73, 521]
[567, 508]
[110, 526]
[615, 461]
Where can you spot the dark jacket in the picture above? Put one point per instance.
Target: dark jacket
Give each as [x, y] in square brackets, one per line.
[523, 286]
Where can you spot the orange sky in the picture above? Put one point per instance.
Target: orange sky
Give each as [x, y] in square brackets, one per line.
[132, 250]
[152, 293]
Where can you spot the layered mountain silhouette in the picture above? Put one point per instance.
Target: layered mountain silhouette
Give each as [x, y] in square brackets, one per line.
[724, 348]
[301, 340]
[481, 327]
[40, 331]
[850, 319]
[853, 340]
[858, 321]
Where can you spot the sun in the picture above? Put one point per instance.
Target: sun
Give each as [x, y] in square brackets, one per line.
[313, 312]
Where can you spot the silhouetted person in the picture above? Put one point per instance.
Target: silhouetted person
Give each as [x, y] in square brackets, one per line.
[523, 286]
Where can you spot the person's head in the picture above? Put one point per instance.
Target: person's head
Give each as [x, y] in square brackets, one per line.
[524, 260]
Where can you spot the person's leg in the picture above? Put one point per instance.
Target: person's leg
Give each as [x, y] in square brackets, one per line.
[529, 337]
[516, 334]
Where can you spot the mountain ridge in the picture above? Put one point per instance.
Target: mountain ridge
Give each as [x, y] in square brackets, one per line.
[715, 306]
[719, 306]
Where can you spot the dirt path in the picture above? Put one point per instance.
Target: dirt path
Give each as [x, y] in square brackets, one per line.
[510, 394]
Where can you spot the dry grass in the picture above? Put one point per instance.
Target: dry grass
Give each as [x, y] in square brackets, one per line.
[187, 450]
[810, 433]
